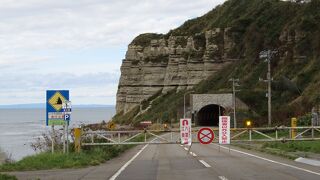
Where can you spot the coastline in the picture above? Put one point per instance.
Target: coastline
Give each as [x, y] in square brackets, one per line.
[15, 140]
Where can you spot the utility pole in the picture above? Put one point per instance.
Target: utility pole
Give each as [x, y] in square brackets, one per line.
[267, 55]
[184, 103]
[234, 84]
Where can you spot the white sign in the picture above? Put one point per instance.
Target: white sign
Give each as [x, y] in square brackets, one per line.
[224, 129]
[185, 131]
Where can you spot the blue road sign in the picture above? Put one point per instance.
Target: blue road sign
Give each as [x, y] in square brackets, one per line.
[67, 117]
[55, 114]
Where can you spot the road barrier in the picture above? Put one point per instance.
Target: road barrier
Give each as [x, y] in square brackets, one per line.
[264, 134]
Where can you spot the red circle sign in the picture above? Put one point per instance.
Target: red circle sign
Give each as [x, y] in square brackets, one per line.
[205, 135]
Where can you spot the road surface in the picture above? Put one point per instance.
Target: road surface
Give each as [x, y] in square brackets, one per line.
[173, 161]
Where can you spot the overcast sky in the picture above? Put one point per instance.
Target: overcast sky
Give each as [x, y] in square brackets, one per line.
[77, 45]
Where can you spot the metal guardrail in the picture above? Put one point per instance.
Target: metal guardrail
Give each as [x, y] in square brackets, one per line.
[91, 138]
[263, 134]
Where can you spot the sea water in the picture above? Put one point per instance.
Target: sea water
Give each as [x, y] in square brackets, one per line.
[20, 127]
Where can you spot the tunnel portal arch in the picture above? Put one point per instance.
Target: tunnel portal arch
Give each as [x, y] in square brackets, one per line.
[209, 115]
[206, 108]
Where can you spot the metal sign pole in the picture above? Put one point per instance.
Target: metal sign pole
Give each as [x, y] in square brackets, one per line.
[52, 139]
[190, 147]
[67, 137]
[64, 139]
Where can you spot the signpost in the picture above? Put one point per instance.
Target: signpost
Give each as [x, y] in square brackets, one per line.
[224, 130]
[55, 113]
[185, 131]
[111, 125]
[66, 106]
[205, 135]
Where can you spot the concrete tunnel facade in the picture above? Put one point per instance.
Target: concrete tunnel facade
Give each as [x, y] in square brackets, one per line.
[206, 108]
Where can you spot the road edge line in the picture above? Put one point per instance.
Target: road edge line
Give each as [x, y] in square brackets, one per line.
[127, 164]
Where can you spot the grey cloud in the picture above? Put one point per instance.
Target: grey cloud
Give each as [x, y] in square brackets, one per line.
[28, 26]
[74, 24]
[42, 81]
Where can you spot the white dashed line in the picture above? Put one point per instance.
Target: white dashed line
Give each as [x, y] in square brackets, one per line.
[222, 178]
[205, 163]
[193, 154]
[185, 148]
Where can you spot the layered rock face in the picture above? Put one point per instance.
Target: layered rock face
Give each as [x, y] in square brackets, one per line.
[175, 62]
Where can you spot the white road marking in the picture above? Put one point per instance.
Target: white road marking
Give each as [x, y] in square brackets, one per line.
[185, 148]
[181, 145]
[269, 160]
[127, 164]
[308, 161]
[205, 163]
[193, 154]
[222, 178]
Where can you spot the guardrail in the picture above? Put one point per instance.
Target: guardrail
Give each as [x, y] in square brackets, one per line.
[172, 136]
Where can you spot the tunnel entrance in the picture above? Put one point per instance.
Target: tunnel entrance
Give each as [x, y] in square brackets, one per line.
[209, 115]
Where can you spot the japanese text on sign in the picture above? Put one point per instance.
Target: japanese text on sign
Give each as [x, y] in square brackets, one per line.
[224, 130]
[185, 131]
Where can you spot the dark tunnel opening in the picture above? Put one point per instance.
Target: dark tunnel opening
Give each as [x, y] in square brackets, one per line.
[209, 115]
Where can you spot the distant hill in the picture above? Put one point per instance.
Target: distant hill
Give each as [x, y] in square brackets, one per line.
[204, 53]
[43, 106]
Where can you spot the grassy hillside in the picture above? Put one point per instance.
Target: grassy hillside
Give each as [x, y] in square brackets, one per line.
[256, 25]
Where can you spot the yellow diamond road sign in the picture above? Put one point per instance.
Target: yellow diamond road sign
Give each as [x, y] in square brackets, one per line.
[56, 101]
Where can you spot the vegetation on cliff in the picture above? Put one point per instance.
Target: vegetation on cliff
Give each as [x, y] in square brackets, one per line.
[293, 29]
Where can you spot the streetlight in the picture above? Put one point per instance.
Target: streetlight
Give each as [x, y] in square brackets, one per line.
[184, 103]
[267, 55]
[234, 84]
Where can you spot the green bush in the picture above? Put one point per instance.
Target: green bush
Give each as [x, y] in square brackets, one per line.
[7, 177]
[89, 156]
[145, 39]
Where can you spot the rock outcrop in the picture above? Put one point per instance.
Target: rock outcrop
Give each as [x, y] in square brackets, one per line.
[163, 63]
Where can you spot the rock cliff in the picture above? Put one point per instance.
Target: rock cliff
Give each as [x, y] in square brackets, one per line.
[175, 62]
[222, 44]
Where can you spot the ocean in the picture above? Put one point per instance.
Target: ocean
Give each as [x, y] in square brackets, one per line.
[20, 127]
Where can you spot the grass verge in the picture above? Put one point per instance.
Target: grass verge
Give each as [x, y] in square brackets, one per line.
[295, 146]
[7, 177]
[289, 149]
[89, 156]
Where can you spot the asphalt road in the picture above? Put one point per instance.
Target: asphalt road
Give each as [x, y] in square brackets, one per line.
[172, 161]
[213, 162]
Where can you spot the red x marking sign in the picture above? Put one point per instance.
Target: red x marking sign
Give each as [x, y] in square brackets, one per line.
[205, 135]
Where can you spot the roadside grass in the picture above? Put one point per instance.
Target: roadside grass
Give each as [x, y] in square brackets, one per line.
[295, 146]
[89, 156]
[288, 149]
[7, 177]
